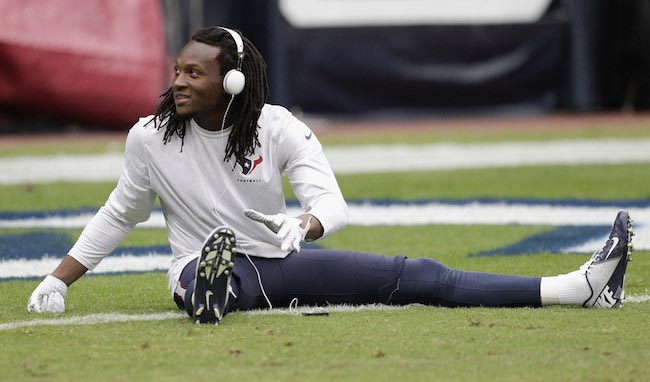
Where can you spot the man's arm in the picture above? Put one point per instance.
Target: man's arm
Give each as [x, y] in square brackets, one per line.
[69, 270]
[315, 228]
[129, 203]
[312, 180]
[49, 296]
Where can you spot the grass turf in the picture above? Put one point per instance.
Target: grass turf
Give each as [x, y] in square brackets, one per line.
[545, 182]
[419, 343]
[114, 142]
[416, 344]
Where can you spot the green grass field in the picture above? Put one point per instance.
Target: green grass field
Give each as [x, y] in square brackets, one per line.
[416, 343]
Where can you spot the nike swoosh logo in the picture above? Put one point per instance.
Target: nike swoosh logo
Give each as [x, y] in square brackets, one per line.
[614, 244]
[208, 294]
[308, 136]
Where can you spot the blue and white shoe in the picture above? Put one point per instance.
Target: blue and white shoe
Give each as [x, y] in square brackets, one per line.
[605, 271]
[213, 273]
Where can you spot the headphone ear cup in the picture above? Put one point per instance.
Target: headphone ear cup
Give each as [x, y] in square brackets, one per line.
[233, 82]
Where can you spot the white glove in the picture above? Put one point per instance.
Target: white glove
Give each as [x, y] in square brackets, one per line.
[285, 228]
[48, 297]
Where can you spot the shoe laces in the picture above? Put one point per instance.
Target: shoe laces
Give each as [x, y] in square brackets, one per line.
[584, 268]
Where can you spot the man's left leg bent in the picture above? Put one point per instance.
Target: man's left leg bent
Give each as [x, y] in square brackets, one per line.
[204, 284]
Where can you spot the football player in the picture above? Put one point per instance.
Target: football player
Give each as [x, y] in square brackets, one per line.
[214, 153]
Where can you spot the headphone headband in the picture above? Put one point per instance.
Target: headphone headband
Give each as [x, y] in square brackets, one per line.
[240, 45]
[234, 81]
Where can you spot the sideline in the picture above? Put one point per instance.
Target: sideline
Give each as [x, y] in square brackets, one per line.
[365, 159]
[107, 318]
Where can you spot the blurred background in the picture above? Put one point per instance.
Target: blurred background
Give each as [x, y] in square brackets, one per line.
[100, 64]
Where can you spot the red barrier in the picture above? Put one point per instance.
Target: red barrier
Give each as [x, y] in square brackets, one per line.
[98, 62]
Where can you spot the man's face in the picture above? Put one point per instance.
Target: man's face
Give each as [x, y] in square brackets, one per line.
[197, 86]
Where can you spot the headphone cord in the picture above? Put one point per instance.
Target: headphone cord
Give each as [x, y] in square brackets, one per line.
[259, 277]
[223, 121]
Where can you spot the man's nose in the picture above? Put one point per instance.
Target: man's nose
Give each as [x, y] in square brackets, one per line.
[179, 81]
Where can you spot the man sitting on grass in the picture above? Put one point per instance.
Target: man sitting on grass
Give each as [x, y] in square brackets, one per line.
[214, 154]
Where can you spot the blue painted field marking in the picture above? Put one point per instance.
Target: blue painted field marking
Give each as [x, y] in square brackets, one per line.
[557, 240]
[576, 227]
[33, 245]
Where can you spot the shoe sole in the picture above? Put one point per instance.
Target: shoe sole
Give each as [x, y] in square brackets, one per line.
[213, 273]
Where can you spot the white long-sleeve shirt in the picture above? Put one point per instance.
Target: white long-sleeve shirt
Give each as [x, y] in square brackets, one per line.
[199, 191]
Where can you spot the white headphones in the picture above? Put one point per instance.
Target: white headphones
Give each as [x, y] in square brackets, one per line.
[234, 80]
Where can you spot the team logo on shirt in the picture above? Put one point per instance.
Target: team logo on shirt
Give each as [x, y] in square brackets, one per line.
[248, 165]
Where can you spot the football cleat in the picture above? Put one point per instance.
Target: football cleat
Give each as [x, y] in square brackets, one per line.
[605, 271]
[213, 273]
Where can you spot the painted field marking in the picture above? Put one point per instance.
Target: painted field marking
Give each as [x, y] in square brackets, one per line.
[107, 318]
[404, 214]
[100, 318]
[40, 267]
[38, 262]
[364, 159]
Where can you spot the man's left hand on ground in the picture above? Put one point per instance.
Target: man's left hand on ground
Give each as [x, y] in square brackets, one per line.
[48, 297]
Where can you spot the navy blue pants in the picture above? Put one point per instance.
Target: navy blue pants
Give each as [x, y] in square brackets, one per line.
[322, 277]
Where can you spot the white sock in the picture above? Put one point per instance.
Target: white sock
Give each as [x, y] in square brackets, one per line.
[567, 289]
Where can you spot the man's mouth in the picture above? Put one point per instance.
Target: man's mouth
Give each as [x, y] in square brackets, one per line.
[180, 99]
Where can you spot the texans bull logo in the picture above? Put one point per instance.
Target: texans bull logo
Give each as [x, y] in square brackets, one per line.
[248, 165]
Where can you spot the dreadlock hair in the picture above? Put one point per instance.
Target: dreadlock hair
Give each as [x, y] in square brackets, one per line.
[246, 106]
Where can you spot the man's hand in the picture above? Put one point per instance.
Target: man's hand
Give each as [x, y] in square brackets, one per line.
[48, 297]
[286, 228]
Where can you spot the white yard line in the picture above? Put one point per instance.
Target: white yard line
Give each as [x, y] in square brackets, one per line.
[364, 159]
[100, 318]
[106, 318]
[409, 214]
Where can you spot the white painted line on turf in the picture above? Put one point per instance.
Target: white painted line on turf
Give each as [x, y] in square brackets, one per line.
[332, 309]
[635, 299]
[70, 221]
[100, 318]
[360, 214]
[105, 318]
[489, 214]
[450, 156]
[364, 159]
[429, 213]
[86, 168]
[111, 264]
[404, 214]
